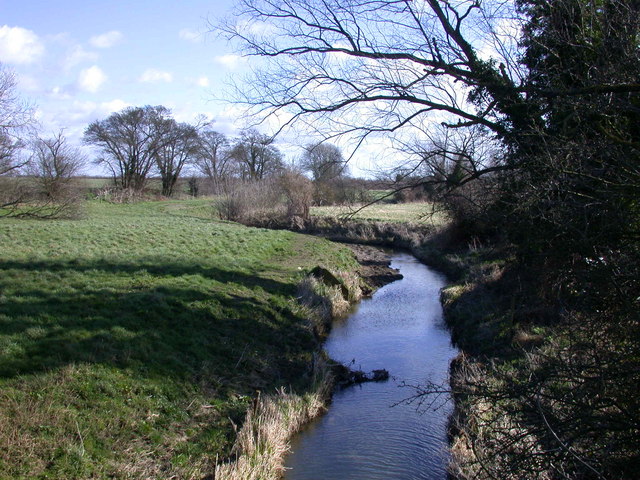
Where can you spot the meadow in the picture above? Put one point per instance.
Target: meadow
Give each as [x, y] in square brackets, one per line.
[422, 213]
[133, 340]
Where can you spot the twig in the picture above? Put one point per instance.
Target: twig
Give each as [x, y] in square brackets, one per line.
[81, 439]
[241, 355]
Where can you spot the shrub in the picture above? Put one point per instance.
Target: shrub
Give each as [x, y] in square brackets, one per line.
[247, 202]
[298, 191]
[119, 195]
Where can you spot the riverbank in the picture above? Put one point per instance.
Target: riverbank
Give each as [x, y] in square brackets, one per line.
[434, 244]
[374, 267]
[542, 387]
[542, 359]
[479, 309]
[264, 439]
[133, 341]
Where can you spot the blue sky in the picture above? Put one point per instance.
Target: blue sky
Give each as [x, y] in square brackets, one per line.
[79, 61]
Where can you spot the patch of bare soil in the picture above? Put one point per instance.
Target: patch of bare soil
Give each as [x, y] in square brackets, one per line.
[374, 266]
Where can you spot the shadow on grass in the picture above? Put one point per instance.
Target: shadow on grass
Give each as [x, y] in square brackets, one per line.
[155, 266]
[230, 325]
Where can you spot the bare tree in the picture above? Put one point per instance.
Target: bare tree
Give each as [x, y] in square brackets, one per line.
[130, 140]
[16, 120]
[383, 65]
[9, 154]
[390, 66]
[179, 145]
[324, 161]
[16, 123]
[327, 166]
[18, 198]
[256, 155]
[213, 157]
[53, 164]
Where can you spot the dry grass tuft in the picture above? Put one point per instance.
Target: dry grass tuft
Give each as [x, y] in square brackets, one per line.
[326, 302]
[263, 441]
[352, 281]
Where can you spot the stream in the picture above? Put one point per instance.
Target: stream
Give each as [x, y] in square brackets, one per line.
[368, 432]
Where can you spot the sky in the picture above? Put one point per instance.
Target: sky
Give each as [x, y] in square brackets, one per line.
[79, 61]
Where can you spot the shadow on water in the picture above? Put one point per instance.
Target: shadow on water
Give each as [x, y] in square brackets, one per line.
[369, 431]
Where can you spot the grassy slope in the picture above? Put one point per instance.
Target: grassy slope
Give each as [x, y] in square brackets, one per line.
[131, 341]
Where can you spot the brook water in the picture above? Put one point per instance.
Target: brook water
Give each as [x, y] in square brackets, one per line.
[368, 432]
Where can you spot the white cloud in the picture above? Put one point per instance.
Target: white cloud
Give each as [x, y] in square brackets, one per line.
[91, 79]
[78, 55]
[80, 113]
[152, 75]
[190, 35]
[106, 40]
[63, 38]
[19, 45]
[231, 119]
[113, 106]
[61, 93]
[202, 81]
[229, 61]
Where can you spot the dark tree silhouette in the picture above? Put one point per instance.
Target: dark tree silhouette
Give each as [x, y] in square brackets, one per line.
[256, 156]
[130, 140]
[179, 146]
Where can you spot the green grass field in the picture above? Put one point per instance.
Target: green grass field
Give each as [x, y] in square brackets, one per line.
[133, 340]
[416, 212]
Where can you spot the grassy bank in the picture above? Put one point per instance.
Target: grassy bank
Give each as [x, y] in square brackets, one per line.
[133, 341]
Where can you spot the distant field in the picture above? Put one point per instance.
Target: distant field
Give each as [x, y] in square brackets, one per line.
[93, 182]
[153, 184]
[132, 341]
[416, 212]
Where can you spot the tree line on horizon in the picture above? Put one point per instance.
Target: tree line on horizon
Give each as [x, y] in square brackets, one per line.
[139, 142]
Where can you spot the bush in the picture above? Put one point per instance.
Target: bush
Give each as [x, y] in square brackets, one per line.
[248, 202]
[119, 195]
[298, 191]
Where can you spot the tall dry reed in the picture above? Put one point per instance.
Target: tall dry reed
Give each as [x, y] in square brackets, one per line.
[263, 441]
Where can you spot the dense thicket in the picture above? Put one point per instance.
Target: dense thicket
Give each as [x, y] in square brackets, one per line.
[579, 181]
[573, 214]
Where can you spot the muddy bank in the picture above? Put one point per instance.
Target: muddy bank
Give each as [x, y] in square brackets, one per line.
[375, 266]
[436, 247]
